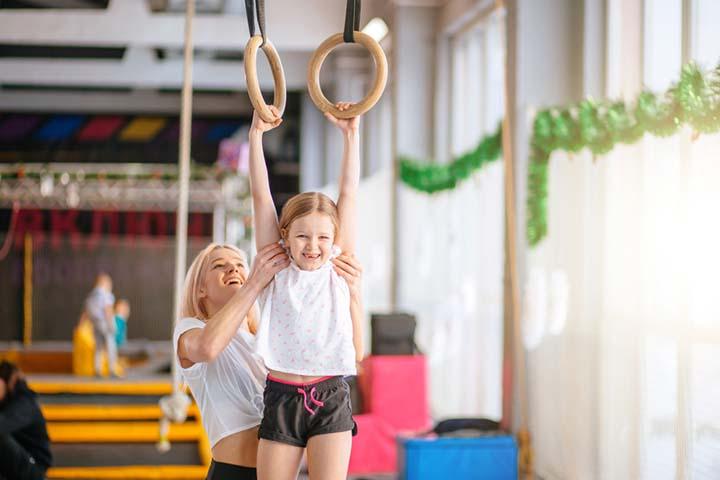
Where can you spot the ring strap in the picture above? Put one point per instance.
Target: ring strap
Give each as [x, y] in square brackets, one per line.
[352, 20]
[250, 7]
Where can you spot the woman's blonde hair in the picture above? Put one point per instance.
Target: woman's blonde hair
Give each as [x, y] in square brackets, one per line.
[305, 204]
[191, 304]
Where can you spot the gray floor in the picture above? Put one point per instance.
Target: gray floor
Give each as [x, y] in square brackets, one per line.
[121, 454]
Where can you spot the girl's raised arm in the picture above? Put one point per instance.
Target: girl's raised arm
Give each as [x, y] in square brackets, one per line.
[264, 214]
[349, 179]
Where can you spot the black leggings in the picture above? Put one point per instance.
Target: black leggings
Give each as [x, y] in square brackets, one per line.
[16, 463]
[226, 471]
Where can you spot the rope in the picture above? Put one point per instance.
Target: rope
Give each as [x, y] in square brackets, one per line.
[184, 174]
[175, 406]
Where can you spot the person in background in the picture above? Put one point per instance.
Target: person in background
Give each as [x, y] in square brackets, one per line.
[24, 443]
[99, 308]
[122, 313]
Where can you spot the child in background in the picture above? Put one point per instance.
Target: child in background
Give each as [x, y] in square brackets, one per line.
[122, 313]
[99, 308]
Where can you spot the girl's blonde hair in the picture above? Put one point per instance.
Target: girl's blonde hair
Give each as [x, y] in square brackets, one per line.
[305, 204]
[191, 304]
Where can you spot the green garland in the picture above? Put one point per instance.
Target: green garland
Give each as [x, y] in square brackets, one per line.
[599, 126]
[431, 178]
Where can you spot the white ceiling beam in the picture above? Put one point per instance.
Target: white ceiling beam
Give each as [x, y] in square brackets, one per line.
[143, 71]
[122, 102]
[292, 25]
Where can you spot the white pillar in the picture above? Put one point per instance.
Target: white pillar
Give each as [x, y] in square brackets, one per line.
[312, 142]
[351, 70]
[413, 66]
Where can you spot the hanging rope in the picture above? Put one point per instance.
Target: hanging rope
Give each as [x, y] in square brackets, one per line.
[175, 407]
[7, 243]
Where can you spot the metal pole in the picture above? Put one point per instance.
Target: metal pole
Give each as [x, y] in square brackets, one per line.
[514, 369]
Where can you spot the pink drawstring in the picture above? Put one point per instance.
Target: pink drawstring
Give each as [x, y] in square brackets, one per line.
[312, 399]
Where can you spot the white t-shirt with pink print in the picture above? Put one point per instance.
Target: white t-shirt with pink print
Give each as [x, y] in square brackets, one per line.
[305, 324]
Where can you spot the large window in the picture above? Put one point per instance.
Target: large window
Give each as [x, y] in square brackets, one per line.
[681, 367]
[630, 387]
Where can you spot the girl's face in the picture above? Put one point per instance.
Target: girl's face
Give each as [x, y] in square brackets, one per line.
[225, 273]
[310, 239]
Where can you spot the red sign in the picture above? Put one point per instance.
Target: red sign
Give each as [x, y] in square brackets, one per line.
[86, 228]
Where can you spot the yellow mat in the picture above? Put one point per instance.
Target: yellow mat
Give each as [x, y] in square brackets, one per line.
[106, 412]
[102, 387]
[160, 472]
[113, 432]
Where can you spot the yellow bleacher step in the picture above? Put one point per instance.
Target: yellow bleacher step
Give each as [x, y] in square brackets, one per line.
[109, 432]
[54, 413]
[139, 472]
[101, 387]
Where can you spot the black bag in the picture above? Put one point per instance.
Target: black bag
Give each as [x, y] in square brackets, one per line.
[393, 334]
[454, 425]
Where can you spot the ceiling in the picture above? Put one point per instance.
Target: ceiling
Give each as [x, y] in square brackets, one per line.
[129, 46]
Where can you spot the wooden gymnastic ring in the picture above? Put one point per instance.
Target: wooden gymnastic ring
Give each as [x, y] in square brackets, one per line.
[251, 77]
[380, 75]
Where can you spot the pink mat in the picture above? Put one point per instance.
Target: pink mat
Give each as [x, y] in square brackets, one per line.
[374, 448]
[395, 396]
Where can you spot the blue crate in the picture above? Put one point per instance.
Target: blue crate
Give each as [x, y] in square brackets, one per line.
[481, 458]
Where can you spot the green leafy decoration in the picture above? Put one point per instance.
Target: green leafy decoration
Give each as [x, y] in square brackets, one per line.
[435, 177]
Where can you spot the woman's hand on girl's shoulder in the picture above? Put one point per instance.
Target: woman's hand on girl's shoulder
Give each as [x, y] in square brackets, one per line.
[269, 260]
[349, 268]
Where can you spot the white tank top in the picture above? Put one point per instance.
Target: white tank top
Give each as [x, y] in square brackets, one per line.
[228, 390]
[305, 323]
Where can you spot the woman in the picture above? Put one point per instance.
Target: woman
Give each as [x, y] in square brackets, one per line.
[214, 340]
[24, 444]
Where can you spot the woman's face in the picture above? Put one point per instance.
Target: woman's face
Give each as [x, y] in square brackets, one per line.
[226, 272]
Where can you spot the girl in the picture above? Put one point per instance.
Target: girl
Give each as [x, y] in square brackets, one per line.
[310, 327]
[213, 346]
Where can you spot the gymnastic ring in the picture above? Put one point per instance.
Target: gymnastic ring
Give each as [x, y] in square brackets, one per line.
[380, 75]
[251, 77]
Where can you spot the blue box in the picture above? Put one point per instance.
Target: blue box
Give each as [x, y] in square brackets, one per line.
[478, 458]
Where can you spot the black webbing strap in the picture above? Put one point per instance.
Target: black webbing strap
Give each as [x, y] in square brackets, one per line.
[352, 20]
[250, 7]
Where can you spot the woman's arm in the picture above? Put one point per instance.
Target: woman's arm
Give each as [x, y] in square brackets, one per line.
[205, 344]
[264, 214]
[349, 268]
[349, 179]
